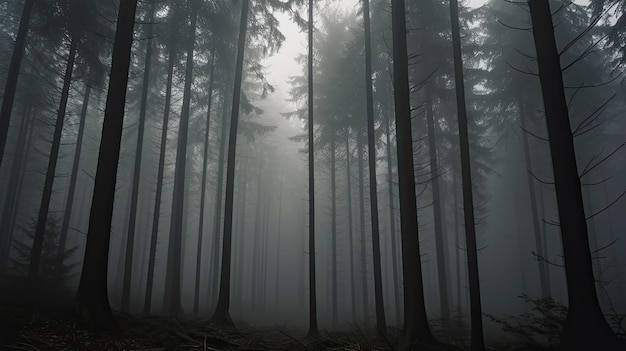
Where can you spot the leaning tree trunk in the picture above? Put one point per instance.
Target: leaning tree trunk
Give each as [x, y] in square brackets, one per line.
[42, 218]
[392, 224]
[585, 327]
[69, 204]
[544, 283]
[439, 232]
[13, 74]
[92, 303]
[172, 303]
[350, 232]
[416, 328]
[381, 324]
[313, 331]
[222, 315]
[477, 342]
[205, 160]
[174, 32]
[130, 237]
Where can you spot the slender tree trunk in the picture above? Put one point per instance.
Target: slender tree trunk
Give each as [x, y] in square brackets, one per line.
[92, 303]
[381, 323]
[392, 224]
[222, 315]
[278, 251]
[35, 257]
[416, 328]
[442, 270]
[585, 327]
[350, 231]
[74, 176]
[543, 277]
[242, 235]
[172, 305]
[9, 209]
[205, 160]
[313, 331]
[174, 32]
[333, 210]
[457, 236]
[13, 74]
[143, 106]
[477, 342]
[257, 235]
[363, 256]
[219, 195]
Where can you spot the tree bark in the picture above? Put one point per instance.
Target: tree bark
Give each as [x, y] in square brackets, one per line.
[333, 232]
[585, 327]
[477, 342]
[35, 257]
[205, 160]
[381, 323]
[416, 328]
[143, 105]
[92, 303]
[172, 304]
[350, 231]
[363, 256]
[222, 315]
[13, 74]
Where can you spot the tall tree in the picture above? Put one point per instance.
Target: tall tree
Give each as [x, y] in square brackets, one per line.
[14, 71]
[381, 324]
[172, 303]
[416, 327]
[477, 342]
[143, 107]
[222, 315]
[585, 327]
[92, 303]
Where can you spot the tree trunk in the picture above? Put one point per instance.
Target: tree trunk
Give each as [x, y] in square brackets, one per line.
[205, 160]
[457, 238]
[172, 303]
[40, 229]
[74, 176]
[381, 324]
[174, 32]
[543, 277]
[313, 331]
[333, 232]
[254, 285]
[363, 256]
[416, 328]
[585, 327]
[217, 214]
[278, 251]
[241, 232]
[392, 224]
[9, 209]
[350, 236]
[442, 270]
[13, 74]
[92, 303]
[477, 342]
[130, 238]
[222, 315]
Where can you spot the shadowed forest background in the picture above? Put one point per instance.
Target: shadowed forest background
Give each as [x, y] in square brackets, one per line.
[419, 175]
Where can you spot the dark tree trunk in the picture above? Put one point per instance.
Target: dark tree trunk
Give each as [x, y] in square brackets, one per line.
[13, 74]
[130, 238]
[442, 270]
[350, 232]
[174, 32]
[241, 232]
[381, 324]
[9, 209]
[363, 256]
[172, 303]
[313, 331]
[416, 328]
[585, 327]
[543, 277]
[42, 218]
[222, 315]
[74, 176]
[92, 303]
[205, 160]
[457, 237]
[254, 284]
[217, 214]
[333, 234]
[392, 224]
[477, 342]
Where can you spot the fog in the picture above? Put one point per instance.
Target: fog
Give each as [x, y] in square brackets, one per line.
[518, 226]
